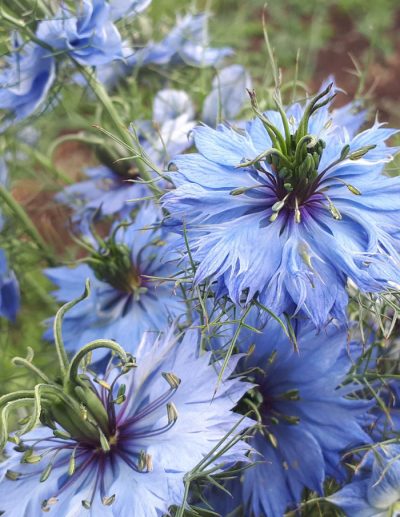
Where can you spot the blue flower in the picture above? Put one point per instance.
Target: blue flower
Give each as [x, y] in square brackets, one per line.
[308, 421]
[228, 95]
[122, 446]
[26, 80]
[87, 35]
[105, 191]
[168, 133]
[127, 8]
[375, 491]
[108, 191]
[9, 290]
[125, 301]
[291, 208]
[3, 183]
[188, 42]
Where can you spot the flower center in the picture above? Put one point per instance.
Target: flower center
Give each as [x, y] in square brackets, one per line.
[292, 163]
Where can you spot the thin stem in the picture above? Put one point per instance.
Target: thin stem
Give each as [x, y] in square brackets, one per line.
[21, 361]
[94, 345]
[123, 133]
[58, 339]
[45, 162]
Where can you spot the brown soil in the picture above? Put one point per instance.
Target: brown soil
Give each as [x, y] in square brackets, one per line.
[382, 74]
[49, 217]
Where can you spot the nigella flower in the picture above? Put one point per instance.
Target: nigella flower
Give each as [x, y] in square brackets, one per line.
[108, 190]
[9, 290]
[187, 43]
[228, 95]
[119, 445]
[168, 133]
[375, 490]
[26, 80]
[131, 292]
[86, 34]
[127, 8]
[105, 192]
[290, 208]
[307, 420]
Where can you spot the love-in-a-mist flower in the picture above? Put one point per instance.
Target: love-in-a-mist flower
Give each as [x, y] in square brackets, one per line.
[119, 445]
[131, 292]
[26, 80]
[306, 420]
[188, 43]
[86, 33]
[109, 189]
[375, 490]
[127, 8]
[290, 208]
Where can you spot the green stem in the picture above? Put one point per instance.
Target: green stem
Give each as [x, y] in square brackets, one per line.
[25, 221]
[73, 368]
[123, 133]
[98, 90]
[45, 162]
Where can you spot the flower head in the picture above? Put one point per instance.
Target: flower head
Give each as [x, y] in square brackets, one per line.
[86, 34]
[307, 420]
[123, 8]
[27, 78]
[375, 491]
[109, 188]
[188, 42]
[129, 295]
[121, 444]
[290, 208]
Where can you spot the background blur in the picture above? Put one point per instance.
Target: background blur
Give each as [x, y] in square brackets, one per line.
[356, 40]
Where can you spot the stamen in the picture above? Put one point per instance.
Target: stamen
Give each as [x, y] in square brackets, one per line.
[145, 463]
[172, 379]
[13, 475]
[297, 213]
[333, 210]
[108, 500]
[47, 503]
[172, 412]
[72, 462]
